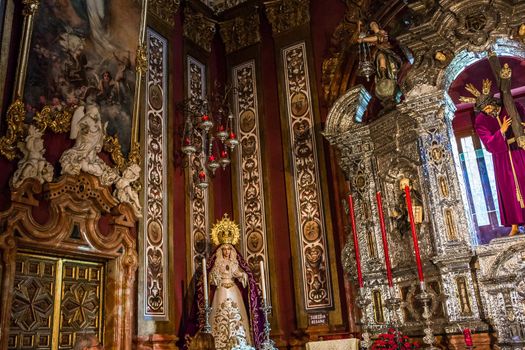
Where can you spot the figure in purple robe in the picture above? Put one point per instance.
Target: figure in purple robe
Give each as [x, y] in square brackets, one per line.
[235, 296]
[492, 125]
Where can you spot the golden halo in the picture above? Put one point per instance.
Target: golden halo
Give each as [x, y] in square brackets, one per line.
[225, 231]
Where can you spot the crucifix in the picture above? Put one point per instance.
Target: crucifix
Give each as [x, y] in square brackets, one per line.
[503, 75]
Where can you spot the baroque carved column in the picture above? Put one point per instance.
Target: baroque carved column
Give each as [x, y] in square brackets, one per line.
[316, 282]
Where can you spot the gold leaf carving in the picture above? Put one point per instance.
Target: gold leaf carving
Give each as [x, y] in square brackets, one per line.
[141, 60]
[59, 121]
[15, 129]
[285, 15]
[134, 154]
[164, 10]
[112, 145]
[240, 32]
[198, 28]
[30, 7]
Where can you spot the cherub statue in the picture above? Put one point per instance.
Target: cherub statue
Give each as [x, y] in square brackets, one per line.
[33, 164]
[89, 133]
[125, 193]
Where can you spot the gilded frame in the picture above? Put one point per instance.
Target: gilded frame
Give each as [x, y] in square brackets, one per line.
[30, 11]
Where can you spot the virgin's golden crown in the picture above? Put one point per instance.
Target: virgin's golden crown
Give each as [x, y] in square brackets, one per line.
[225, 231]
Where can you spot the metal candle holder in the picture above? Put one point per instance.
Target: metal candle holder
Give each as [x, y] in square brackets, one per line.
[362, 303]
[268, 344]
[207, 325]
[393, 304]
[425, 297]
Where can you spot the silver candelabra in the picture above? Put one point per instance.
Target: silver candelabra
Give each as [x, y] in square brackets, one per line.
[393, 303]
[207, 325]
[426, 298]
[362, 303]
[268, 344]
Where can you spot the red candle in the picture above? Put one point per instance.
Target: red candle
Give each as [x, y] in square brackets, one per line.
[356, 242]
[385, 242]
[414, 234]
[468, 337]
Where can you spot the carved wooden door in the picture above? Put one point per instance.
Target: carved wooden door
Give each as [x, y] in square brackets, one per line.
[54, 300]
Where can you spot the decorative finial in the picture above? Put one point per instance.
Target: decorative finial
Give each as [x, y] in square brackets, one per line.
[225, 231]
[505, 72]
[486, 86]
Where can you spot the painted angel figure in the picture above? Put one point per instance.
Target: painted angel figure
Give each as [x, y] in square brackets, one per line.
[88, 132]
[33, 164]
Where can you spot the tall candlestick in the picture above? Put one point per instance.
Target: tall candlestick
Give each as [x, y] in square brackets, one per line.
[414, 234]
[263, 280]
[356, 242]
[205, 282]
[385, 242]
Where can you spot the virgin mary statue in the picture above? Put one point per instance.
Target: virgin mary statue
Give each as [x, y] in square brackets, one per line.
[236, 318]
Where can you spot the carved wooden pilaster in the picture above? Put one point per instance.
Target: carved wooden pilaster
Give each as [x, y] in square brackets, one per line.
[156, 208]
[252, 208]
[198, 198]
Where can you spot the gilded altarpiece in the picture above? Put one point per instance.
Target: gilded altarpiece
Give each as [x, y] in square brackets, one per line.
[155, 173]
[307, 201]
[250, 173]
[198, 197]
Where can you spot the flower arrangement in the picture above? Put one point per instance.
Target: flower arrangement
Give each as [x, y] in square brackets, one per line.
[394, 340]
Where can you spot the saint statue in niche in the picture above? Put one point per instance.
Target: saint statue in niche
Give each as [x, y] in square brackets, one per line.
[492, 125]
[400, 213]
[236, 318]
[387, 62]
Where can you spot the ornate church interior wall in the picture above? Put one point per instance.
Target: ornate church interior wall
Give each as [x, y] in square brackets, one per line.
[346, 121]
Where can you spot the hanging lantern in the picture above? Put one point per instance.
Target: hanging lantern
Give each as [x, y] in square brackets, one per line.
[231, 142]
[222, 134]
[366, 66]
[202, 183]
[205, 123]
[225, 160]
[188, 148]
[213, 164]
